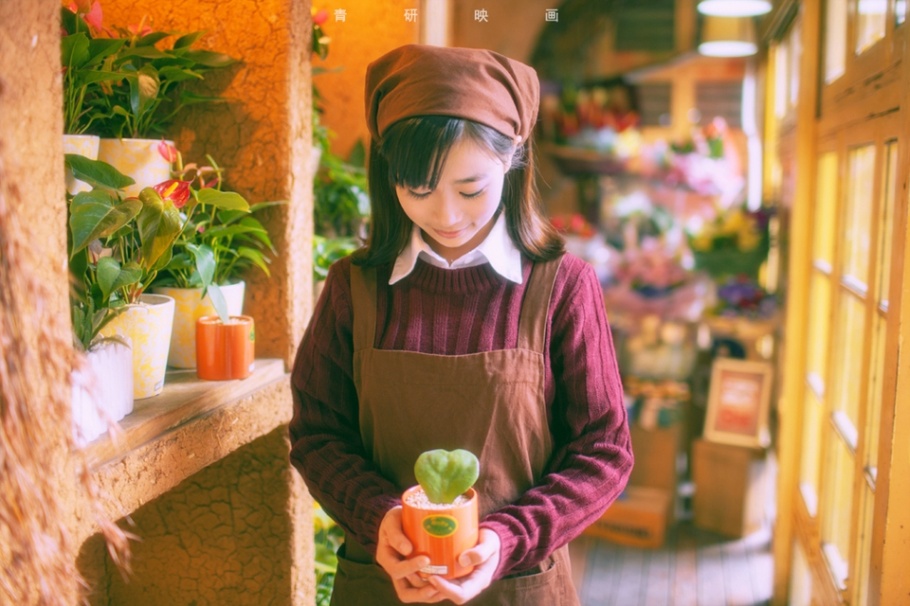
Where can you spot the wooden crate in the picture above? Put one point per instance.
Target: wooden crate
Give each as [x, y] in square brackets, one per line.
[656, 452]
[638, 518]
[731, 488]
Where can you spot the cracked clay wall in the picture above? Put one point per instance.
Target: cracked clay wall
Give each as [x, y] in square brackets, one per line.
[218, 538]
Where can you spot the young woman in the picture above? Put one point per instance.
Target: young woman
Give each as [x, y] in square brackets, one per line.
[461, 324]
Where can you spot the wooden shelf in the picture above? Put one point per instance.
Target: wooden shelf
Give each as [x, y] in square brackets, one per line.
[184, 398]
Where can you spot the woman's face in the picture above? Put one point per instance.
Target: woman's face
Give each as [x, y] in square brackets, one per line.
[458, 214]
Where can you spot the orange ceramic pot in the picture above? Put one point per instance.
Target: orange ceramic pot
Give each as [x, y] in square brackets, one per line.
[225, 351]
[441, 532]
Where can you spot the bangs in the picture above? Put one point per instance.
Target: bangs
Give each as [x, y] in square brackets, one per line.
[416, 149]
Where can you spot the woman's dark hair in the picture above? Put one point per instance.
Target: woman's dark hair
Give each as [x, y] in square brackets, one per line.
[413, 152]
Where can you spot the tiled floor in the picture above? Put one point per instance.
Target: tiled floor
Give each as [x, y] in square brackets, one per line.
[693, 568]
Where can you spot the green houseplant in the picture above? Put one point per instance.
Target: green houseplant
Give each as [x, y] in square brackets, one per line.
[220, 242]
[439, 515]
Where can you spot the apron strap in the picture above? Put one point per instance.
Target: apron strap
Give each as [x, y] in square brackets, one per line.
[363, 294]
[532, 325]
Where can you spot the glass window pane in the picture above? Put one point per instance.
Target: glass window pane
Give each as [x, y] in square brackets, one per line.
[870, 24]
[874, 413]
[887, 221]
[837, 512]
[864, 549]
[819, 327]
[800, 578]
[813, 418]
[856, 230]
[825, 207]
[846, 373]
[835, 39]
[900, 11]
[795, 56]
[781, 77]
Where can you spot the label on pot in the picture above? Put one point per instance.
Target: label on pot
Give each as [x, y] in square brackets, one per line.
[440, 526]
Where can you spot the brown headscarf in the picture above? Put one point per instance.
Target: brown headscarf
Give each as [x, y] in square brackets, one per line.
[476, 84]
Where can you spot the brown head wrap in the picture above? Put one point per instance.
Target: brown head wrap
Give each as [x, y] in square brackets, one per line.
[476, 84]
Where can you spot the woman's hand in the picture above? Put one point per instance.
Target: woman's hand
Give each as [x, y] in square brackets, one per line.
[392, 554]
[484, 557]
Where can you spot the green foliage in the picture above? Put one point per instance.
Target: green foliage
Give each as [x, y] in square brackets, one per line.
[444, 475]
[328, 537]
[123, 83]
[341, 207]
[220, 238]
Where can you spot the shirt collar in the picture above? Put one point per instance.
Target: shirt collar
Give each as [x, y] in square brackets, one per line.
[497, 249]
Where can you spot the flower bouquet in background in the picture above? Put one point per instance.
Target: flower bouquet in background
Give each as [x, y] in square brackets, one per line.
[743, 308]
[735, 242]
[592, 129]
[706, 163]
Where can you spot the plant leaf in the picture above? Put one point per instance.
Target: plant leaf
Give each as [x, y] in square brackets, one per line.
[227, 200]
[96, 173]
[159, 225]
[97, 214]
[444, 475]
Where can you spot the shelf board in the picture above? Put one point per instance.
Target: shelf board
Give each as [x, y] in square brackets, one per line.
[183, 399]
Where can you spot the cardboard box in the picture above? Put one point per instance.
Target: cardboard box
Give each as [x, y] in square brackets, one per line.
[656, 452]
[731, 488]
[638, 518]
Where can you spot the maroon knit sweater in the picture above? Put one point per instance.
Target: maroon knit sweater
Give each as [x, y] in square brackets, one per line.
[453, 312]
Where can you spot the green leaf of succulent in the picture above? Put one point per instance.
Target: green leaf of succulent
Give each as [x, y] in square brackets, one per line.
[444, 475]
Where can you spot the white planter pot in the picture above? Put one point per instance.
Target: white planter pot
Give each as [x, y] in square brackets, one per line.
[102, 390]
[189, 306]
[148, 326]
[136, 158]
[84, 145]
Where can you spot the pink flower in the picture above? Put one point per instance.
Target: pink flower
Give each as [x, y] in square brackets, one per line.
[178, 192]
[167, 151]
[320, 17]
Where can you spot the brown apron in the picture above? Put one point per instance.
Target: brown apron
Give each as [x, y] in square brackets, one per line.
[491, 403]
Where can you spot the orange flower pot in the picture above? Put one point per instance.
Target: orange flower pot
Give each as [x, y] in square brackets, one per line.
[441, 532]
[225, 351]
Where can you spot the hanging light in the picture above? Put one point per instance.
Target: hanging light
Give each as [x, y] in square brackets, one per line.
[734, 8]
[728, 37]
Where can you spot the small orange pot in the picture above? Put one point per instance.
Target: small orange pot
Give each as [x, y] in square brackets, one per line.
[225, 351]
[442, 533]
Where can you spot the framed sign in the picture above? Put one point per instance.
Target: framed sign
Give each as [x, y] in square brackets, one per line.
[738, 400]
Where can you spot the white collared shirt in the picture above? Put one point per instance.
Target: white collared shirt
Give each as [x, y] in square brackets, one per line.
[497, 249]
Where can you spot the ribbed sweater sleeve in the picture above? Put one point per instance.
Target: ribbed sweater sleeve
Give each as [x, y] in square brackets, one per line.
[455, 312]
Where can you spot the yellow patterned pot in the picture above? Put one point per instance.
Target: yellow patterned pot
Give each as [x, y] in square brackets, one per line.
[148, 326]
[136, 158]
[84, 145]
[189, 306]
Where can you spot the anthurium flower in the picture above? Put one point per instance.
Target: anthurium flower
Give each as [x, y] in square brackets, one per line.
[167, 151]
[178, 192]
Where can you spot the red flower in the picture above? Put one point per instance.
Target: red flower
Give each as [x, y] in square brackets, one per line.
[320, 17]
[167, 151]
[178, 192]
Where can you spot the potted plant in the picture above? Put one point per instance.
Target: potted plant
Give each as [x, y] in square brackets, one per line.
[119, 244]
[439, 515]
[87, 61]
[103, 384]
[143, 87]
[220, 241]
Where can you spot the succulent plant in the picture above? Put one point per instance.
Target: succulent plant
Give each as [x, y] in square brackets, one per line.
[444, 475]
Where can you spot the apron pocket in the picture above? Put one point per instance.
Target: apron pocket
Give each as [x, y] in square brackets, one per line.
[360, 583]
[551, 586]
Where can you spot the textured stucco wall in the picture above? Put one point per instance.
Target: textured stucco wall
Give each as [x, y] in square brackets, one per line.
[261, 136]
[220, 537]
[32, 194]
[369, 30]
